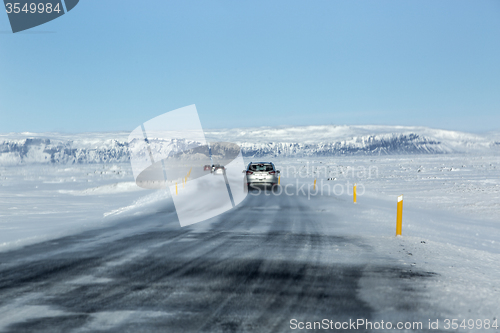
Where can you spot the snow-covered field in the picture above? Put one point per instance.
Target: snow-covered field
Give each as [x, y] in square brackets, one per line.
[451, 223]
[40, 202]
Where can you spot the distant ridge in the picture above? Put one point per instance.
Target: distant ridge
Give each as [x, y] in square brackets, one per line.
[298, 141]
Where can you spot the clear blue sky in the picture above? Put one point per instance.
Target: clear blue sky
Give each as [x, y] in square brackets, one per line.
[111, 65]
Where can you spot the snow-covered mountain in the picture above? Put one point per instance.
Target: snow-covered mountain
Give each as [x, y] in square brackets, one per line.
[300, 141]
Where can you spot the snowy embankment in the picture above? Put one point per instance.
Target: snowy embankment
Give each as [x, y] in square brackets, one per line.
[306, 141]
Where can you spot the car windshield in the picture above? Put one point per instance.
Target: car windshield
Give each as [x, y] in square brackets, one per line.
[261, 167]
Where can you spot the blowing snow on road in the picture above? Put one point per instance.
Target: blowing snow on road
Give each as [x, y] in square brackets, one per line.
[277, 262]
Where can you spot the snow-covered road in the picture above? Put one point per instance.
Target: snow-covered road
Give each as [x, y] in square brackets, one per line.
[253, 269]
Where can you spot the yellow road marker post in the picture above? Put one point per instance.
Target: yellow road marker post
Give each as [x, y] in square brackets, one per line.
[279, 178]
[176, 189]
[354, 193]
[185, 179]
[399, 219]
[314, 184]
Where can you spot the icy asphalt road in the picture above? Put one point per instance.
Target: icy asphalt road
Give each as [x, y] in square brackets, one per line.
[252, 269]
